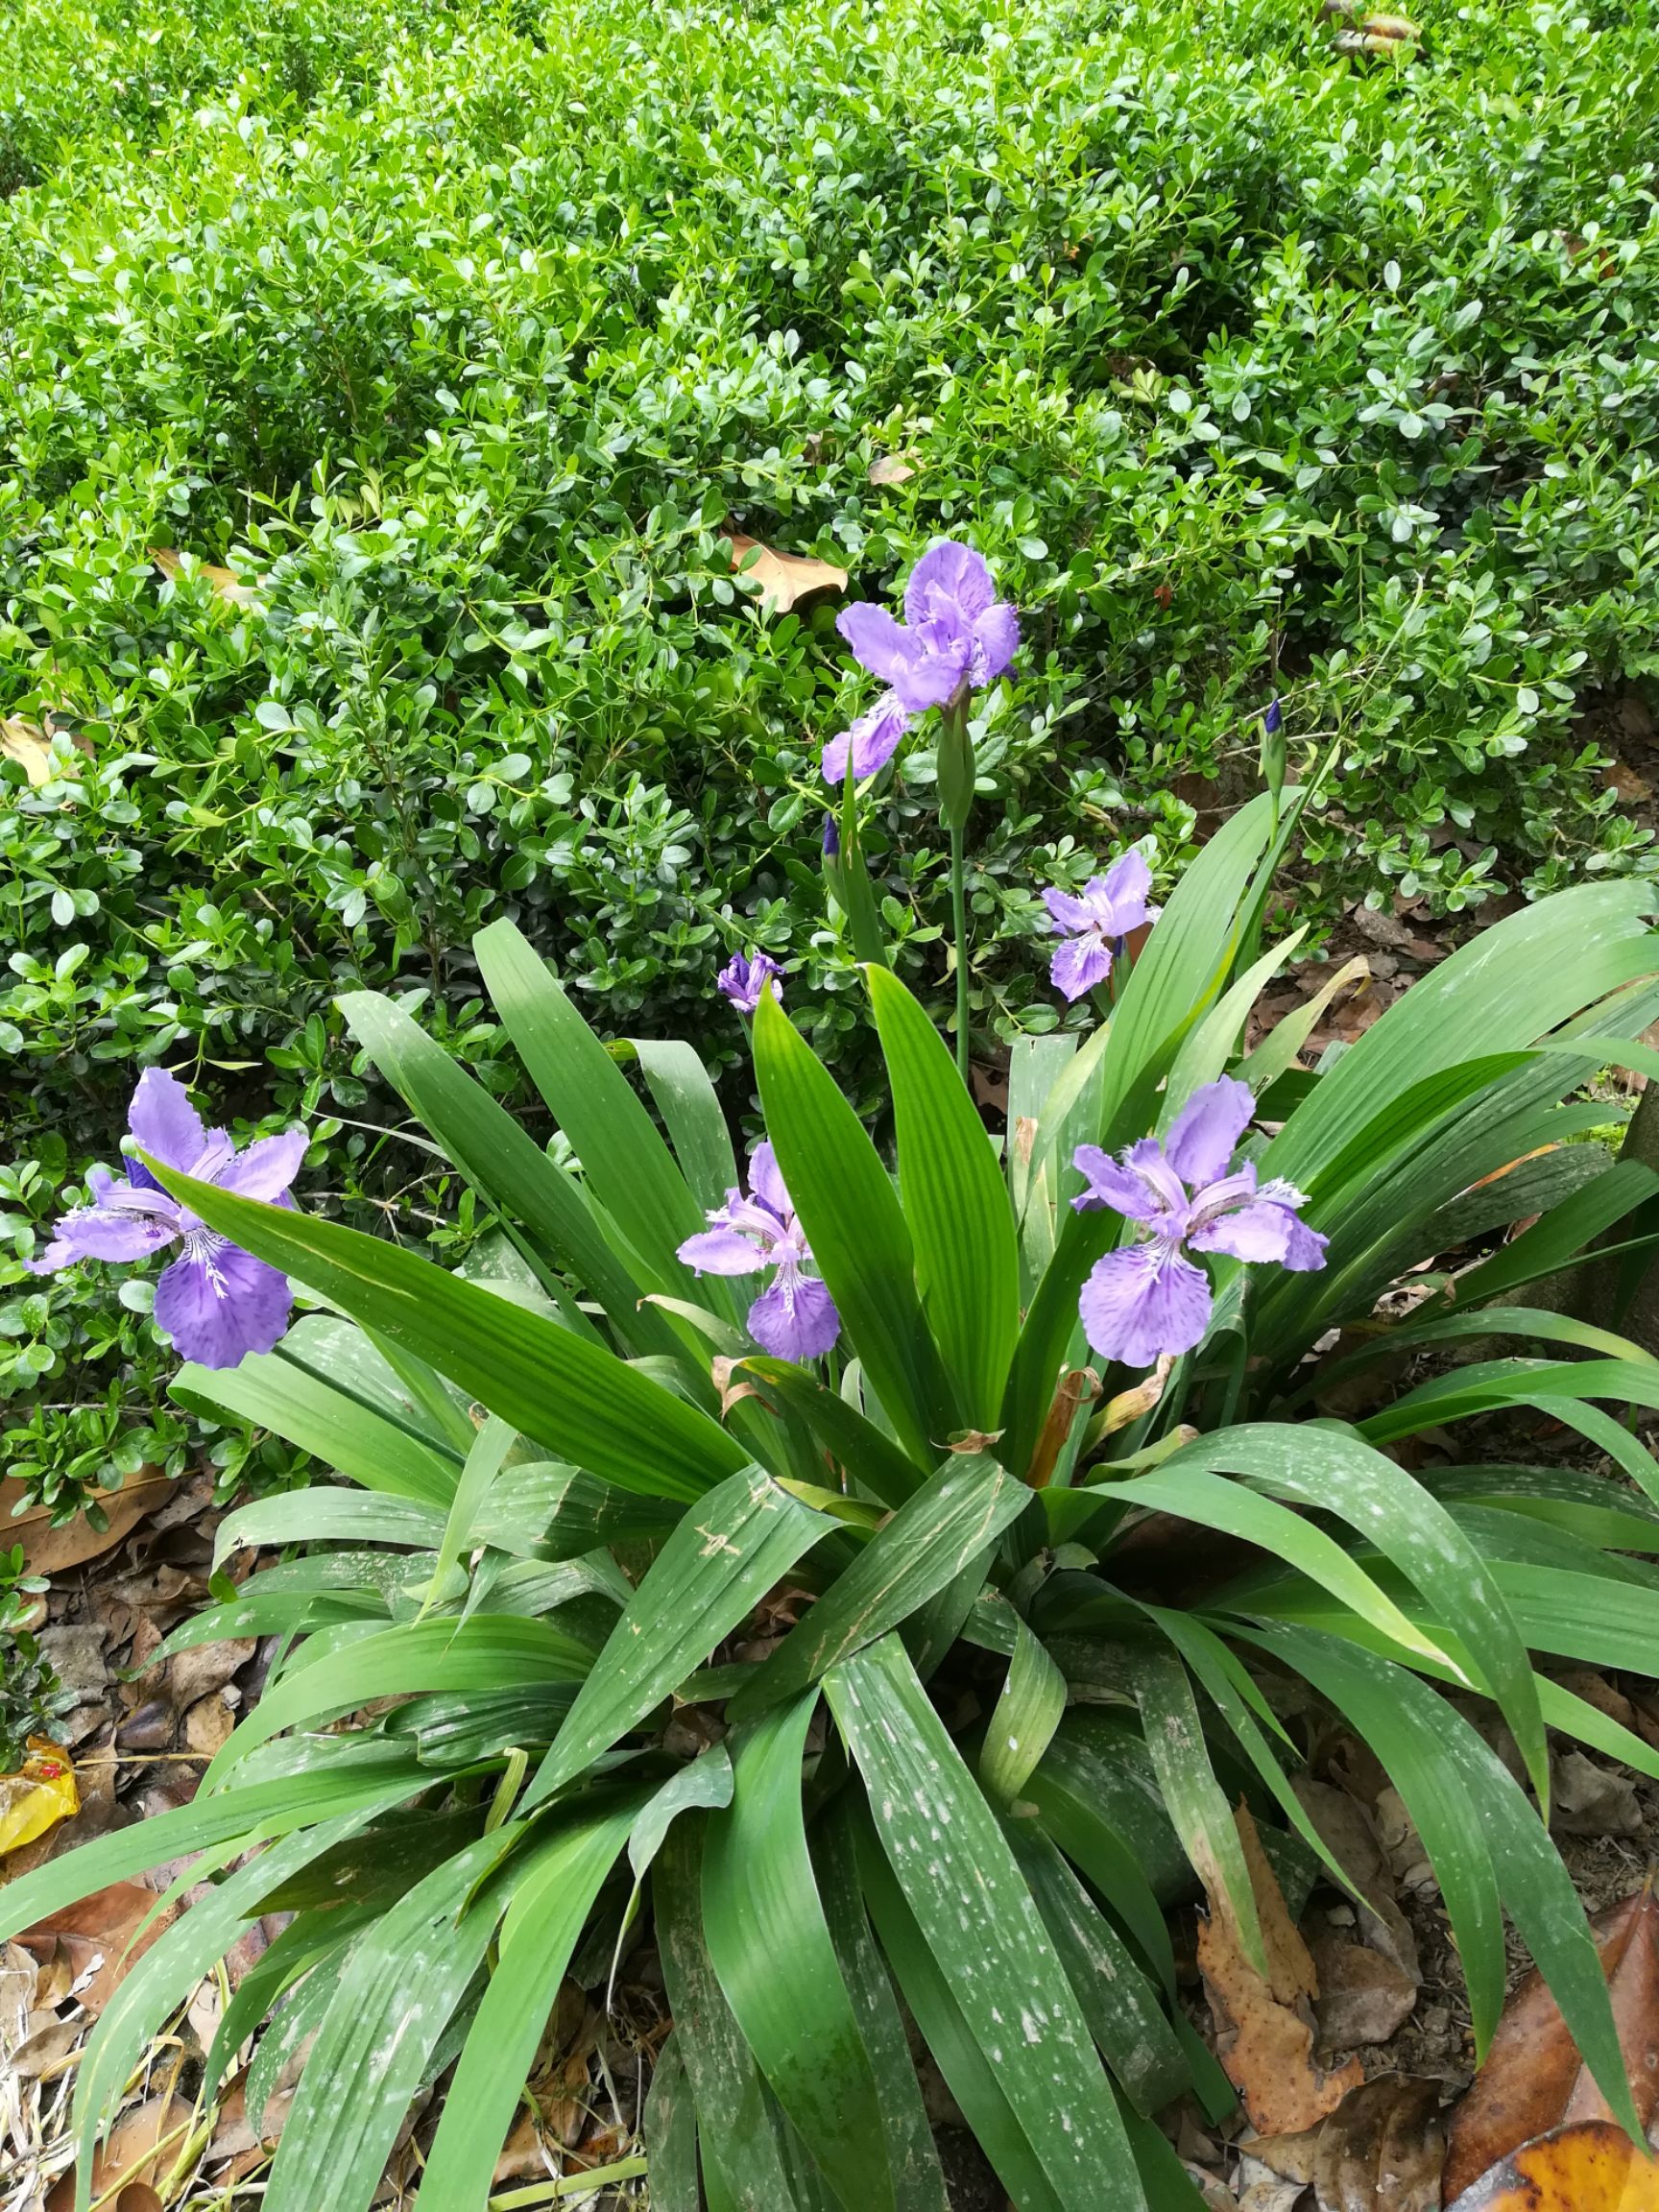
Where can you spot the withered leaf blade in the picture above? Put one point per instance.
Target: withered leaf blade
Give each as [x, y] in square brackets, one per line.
[30, 745]
[1264, 2030]
[1381, 2151]
[1533, 2080]
[226, 584]
[48, 1550]
[891, 469]
[1590, 2167]
[784, 579]
[104, 1938]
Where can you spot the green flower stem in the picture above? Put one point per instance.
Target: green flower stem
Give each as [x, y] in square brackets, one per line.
[583, 2184]
[959, 922]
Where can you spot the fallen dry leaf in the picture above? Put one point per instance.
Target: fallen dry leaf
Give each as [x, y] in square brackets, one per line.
[37, 1797]
[1630, 787]
[100, 1937]
[48, 1550]
[1381, 2151]
[891, 469]
[784, 579]
[142, 2147]
[28, 744]
[1264, 2030]
[1594, 2167]
[225, 582]
[1533, 2080]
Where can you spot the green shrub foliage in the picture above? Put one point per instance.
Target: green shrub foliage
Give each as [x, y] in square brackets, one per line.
[461, 333]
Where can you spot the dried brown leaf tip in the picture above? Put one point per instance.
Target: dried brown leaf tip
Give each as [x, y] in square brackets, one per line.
[1264, 2030]
[784, 579]
[1533, 2081]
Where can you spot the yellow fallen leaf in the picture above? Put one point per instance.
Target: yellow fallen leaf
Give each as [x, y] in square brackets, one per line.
[37, 1797]
[225, 582]
[784, 579]
[31, 745]
[1593, 2167]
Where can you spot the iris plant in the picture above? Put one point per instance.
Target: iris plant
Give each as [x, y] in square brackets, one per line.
[215, 1301]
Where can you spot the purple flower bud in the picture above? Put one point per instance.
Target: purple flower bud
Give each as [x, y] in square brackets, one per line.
[1273, 720]
[831, 838]
[746, 976]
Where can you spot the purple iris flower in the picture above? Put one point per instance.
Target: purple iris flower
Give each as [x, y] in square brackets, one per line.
[1273, 721]
[1095, 922]
[796, 1317]
[955, 631]
[1145, 1299]
[215, 1301]
[746, 976]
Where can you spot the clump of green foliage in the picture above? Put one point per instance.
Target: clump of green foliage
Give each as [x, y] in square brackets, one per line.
[30, 1698]
[992, 1750]
[462, 334]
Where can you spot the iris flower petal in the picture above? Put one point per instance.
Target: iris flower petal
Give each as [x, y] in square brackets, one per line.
[796, 1318]
[950, 584]
[1126, 885]
[1080, 964]
[1143, 1301]
[721, 1252]
[219, 1302]
[267, 1167]
[164, 1123]
[1206, 1132]
[1114, 1183]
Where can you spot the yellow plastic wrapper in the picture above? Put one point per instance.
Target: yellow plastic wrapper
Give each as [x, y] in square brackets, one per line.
[37, 1797]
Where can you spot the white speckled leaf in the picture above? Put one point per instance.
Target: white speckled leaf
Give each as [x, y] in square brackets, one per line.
[964, 1888]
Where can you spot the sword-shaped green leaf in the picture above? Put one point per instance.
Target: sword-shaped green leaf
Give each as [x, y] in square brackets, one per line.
[571, 1395]
[962, 1884]
[767, 1935]
[718, 1564]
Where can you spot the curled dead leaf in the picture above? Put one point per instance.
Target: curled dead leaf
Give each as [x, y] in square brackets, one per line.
[102, 1938]
[1533, 2081]
[891, 469]
[1593, 2167]
[784, 579]
[1264, 2030]
[142, 2148]
[1078, 1386]
[732, 1393]
[1129, 1405]
[1381, 2151]
[226, 584]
